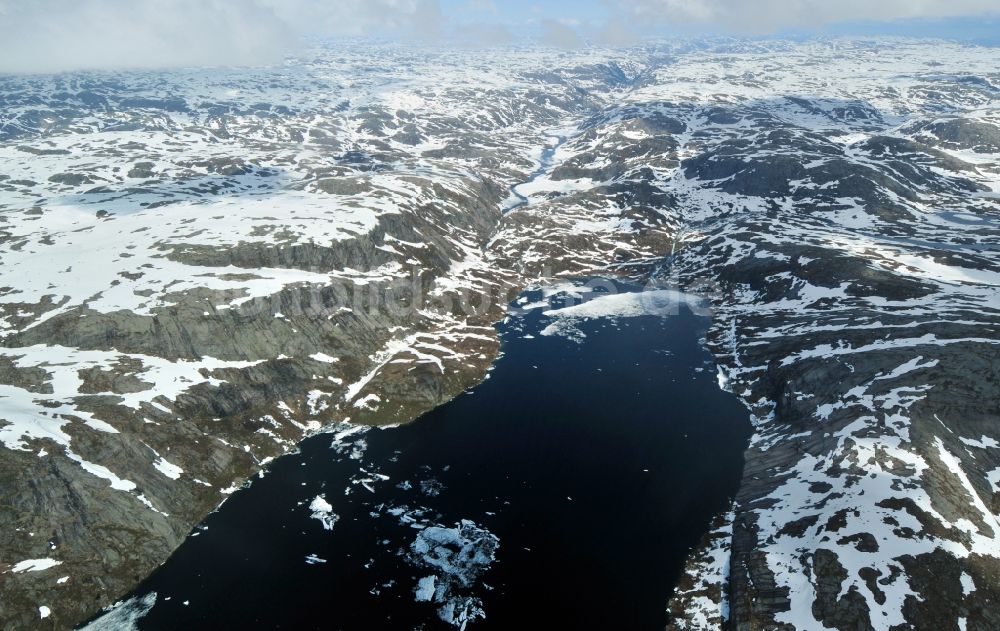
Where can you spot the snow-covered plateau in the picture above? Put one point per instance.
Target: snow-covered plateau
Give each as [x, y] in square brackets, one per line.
[198, 268]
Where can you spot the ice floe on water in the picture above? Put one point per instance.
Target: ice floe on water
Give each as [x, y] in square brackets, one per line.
[459, 557]
[322, 511]
[431, 487]
[366, 479]
[628, 304]
[451, 559]
[424, 592]
[349, 439]
[461, 553]
[609, 304]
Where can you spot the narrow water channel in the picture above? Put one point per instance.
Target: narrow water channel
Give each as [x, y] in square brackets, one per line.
[545, 164]
[563, 492]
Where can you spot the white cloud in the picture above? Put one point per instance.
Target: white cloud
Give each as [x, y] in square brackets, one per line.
[765, 16]
[484, 34]
[64, 35]
[616, 33]
[58, 35]
[348, 17]
[427, 20]
[555, 33]
[480, 6]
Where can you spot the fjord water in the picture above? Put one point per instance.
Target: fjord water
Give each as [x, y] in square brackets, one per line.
[597, 463]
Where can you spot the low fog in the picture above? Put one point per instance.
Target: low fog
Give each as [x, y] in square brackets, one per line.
[60, 35]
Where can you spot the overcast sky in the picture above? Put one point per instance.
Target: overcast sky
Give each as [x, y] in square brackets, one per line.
[57, 35]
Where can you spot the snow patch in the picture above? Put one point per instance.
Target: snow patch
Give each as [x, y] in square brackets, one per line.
[34, 565]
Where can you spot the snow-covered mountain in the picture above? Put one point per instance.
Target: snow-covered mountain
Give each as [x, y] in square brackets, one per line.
[201, 267]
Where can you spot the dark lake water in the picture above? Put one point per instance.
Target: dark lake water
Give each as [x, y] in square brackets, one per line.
[563, 492]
